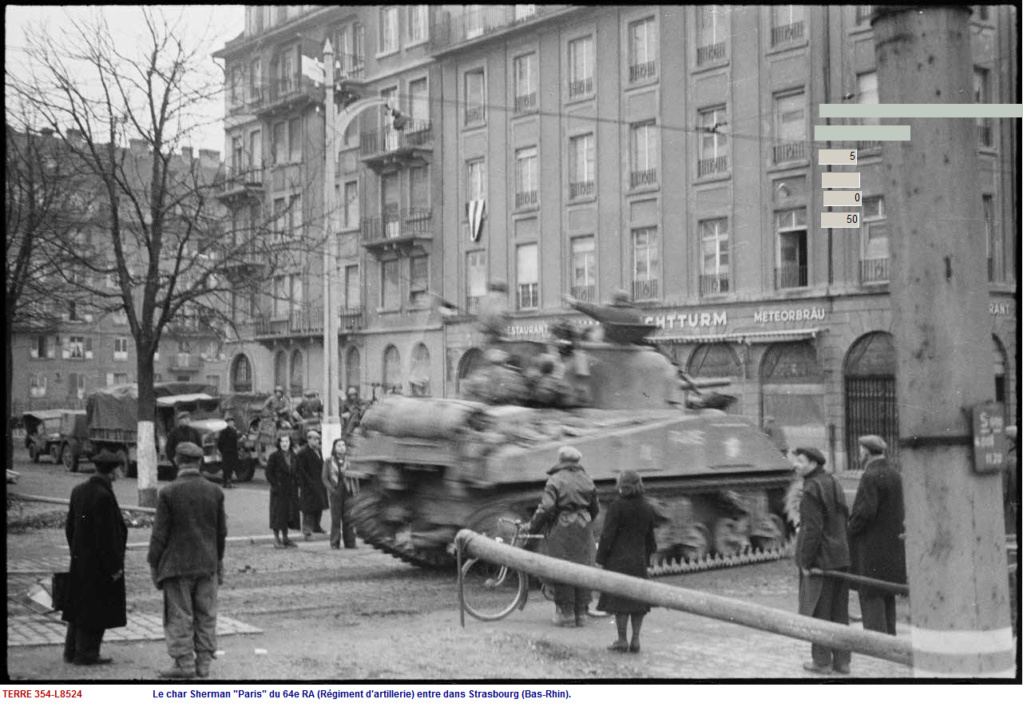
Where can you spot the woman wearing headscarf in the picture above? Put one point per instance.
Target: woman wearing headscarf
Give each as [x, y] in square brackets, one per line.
[626, 545]
[282, 475]
[566, 512]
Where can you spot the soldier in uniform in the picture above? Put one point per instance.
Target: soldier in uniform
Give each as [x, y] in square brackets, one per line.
[493, 319]
[311, 407]
[278, 406]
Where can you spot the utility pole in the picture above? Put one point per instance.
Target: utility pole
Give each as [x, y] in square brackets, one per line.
[955, 536]
[331, 414]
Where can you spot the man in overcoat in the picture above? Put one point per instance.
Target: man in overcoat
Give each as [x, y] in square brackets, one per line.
[186, 558]
[97, 536]
[875, 534]
[821, 544]
[227, 444]
[312, 492]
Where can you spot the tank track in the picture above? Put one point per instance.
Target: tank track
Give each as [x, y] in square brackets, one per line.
[712, 562]
[372, 531]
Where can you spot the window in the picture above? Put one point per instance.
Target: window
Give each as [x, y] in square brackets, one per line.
[790, 127]
[419, 103]
[122, 379]
[642, 50]
[713, 142]
[580, 67]
[278, 298]
[76, 348]
[42, 347]
[419, 380]
[475, 97]
[353, 369]
[296, 302]
[390, 293]
[76, 385]
[714, 249]
[874, 265]
[792, 256]
[584, 269]
[351, 204]
[982, 94]
[863, 13]
[392, 369]
[991, 239]
[295, 220]
[643, 153]
[255, 81]
[241, 375]
[353, 290]
[418, 23]
[280, 147]
[419, 281]
[581, 155]
[279, 219]
[645, 264]
[235, 93]
[419, 189]
[525, 82]
[388, 30]
[391, 204]
[213, 382]
[711, 33]
[525, 177]
[787, 24]
[121, 348]
[527, 274]
[350, 43]
[37, 385]
[476, 180]
[295, 140]
[475, 279]
[256, 152]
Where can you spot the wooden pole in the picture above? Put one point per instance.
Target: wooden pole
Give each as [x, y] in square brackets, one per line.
[879, 645]
[955, 537]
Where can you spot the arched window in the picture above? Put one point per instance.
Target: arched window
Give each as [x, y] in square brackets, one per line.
[297, 379]
[241, 374]
[281, 370]
[419, 381]
[392, 368]
[714, 361]
[470, 361]
[870, 402]
[353, 370]
[792, 392]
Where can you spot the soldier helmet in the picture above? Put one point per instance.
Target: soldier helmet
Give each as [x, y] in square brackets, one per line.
[188, 450]
[569, 454]
[873, 444]
[352, 390]
[279, 389]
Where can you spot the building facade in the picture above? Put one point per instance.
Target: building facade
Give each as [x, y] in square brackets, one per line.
[581, 150]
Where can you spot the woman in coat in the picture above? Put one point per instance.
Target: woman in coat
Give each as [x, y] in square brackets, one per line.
[626, 546]
[282, 475]
[566, 512]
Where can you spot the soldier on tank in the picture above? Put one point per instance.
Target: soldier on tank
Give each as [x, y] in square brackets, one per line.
[493, 319]
[622, 321]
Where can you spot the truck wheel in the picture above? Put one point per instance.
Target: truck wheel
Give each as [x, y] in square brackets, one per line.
[33, 452]
[55, 454]
[246, 470]
[70, 459]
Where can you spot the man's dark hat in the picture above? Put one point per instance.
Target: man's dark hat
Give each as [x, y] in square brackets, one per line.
[188, 450]
[105, 456]
[182, 414]
[873, 444]
[813, 454]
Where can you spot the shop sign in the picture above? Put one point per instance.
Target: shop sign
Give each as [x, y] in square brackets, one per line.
[808, 314]
[538, 330]
[989, 440]
[691, 320]
[999, 308]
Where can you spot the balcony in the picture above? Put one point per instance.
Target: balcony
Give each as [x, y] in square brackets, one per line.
[874, 270]
[351, 320]
[711, 52]
[402, 230]
[240, 184]
[527, 199]
[584, 293]
[715, 284]
[643, 71]
[525, 102]
[787, 33]
[387, 149]
[472, 304]
[184, 362]
[712, 165]
[287, 94]
[527, 296]
[642, 178]
[296, 324]
[455, 30]
[644, 290]
[789, 152]
[789, 276]
[243, 260]
[580, 87]
[577, 190]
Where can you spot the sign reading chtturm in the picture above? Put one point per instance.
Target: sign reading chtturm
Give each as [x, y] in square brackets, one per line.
[690, 320]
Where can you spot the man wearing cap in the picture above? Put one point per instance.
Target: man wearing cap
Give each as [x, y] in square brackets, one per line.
[566, 512]
[821, 544]
[182, 432]
[312, 492]
[186, 558]
[97, 537]
[227, 443]
[278, 405]
[352, 408]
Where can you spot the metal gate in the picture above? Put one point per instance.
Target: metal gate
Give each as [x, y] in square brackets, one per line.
[870, 409]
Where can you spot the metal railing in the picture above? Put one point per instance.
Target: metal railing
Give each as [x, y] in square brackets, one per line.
[528, 296]
[645, 290]
[584, 293]
[577, 189]
[416, 133]
[874, 270]
[350, 319]
[789, 151]
[477, 22]
[714, 284]
[711, 52]
[525, 102]
[397, 224]
[642, 178]
[296, 322]
[350, 66]
[645, 70]
[788, 276]
[580, 87]
[787, 33]
[474, 115]
[712, 165]
[526, 198]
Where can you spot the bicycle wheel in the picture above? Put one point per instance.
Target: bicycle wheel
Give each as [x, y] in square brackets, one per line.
[491, 592]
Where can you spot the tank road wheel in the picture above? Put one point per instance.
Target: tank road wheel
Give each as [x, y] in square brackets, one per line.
[731, 536]
[33, 452]
[491, 592]
[69, 458]
[695, 541]
[769, 543]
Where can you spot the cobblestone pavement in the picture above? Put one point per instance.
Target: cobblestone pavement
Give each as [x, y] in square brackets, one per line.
[33, 630]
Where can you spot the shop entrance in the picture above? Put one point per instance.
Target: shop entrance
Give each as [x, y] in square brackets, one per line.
[870, 400]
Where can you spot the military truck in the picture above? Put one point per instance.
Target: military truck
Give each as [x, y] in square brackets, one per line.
[42, 433]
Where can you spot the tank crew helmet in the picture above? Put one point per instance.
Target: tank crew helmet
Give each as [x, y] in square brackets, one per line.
[568, 454]
[183, 415]
[873, 444]
[499, 285]
[811, 453]
[352, 390]
[188, 451]
[279, 389]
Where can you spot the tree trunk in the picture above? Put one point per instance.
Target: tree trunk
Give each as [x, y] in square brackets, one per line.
[146, 439]
[8, 407]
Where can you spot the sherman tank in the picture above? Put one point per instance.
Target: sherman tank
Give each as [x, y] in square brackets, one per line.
[430, 467]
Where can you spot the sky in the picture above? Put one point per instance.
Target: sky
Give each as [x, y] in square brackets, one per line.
[215, 23]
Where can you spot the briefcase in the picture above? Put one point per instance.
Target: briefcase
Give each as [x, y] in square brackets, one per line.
[60, 590]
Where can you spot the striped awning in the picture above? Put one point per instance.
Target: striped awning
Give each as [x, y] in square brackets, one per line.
[744, 337]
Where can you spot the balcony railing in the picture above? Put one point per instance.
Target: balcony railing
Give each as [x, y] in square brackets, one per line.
[789, 152]
[642, 178]
[472, 304]
[240, 179]
[395, 225]
[788, 276]
[714, 284]
[474, 23]
[712, 165]
[474, 115]
[580, 87]
[415, 134]
[874, 270]
[350, 319]
[286, 92]
[525, 102]
[528, 296]
[578, 189]
[298, 322]
[584, 293]
[711, 52]
[350, 66]
[643, 290]
[787, 33]
[645, 70]
[524, 199]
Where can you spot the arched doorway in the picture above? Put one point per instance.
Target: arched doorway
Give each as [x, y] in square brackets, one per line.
[297, 378]
[870, 399]
[470, 361]
[792, 392]
[241, 374]
[353, 370]
[392, 369]
[419, 380]
[281, 370]
[714, 361]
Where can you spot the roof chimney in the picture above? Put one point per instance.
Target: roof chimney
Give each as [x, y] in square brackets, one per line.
[186, 154]
[209, 158]
[46, 132]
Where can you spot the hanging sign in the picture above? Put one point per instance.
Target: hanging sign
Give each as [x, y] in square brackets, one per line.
[989, 441]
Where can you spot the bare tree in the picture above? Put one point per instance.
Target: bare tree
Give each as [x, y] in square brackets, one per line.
[165, 242]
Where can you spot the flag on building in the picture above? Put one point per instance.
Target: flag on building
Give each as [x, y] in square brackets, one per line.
[476, 208]
[312, 69]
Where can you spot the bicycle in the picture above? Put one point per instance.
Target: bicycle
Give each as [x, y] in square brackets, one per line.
[490, 592]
